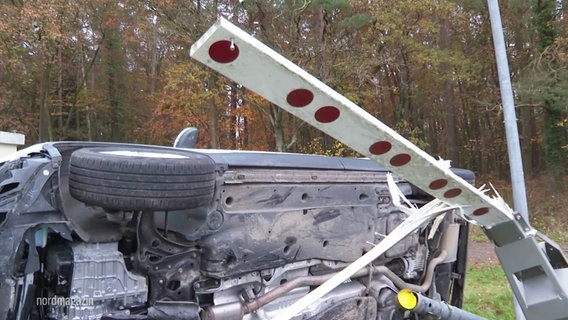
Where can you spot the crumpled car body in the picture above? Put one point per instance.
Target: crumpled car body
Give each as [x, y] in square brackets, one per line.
[122, 231]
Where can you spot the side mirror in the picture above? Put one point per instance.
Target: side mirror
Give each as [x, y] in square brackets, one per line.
[187, 138]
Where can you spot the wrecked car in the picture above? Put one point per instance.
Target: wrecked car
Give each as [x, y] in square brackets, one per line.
[120, 231]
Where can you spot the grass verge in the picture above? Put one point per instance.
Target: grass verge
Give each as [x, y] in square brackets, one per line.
[487, 293]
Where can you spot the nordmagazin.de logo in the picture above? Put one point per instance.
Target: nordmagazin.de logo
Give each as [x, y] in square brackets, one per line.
[65, 301]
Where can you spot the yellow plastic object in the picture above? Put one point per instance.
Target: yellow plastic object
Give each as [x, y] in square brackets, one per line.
[407, 299]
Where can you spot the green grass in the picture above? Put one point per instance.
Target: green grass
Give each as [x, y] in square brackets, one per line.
[487, 293]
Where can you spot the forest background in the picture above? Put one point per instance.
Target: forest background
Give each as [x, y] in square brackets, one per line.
[104, 70]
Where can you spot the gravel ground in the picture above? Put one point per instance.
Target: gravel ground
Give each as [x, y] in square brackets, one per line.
[483, 253]
[480, 254]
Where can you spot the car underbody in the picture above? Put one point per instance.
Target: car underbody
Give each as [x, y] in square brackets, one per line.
[120, 231]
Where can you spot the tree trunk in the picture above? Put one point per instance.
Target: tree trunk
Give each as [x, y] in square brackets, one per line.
[320, 24]
[391, 84]
[234, 118]
[526, 140]
[405, 105]
[154, 61]
[320, 43]
[45, 132]
[448, 94]
[555, 141]
[277, 127]
[214, 121]
[554, 134]
[60, 92]
[116, 86]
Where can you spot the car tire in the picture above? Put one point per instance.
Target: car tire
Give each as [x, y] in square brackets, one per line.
[141, 178]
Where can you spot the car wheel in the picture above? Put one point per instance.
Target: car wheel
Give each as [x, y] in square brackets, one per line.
[141, 178]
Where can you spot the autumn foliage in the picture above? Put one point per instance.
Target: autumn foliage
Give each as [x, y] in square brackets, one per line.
[120, 71]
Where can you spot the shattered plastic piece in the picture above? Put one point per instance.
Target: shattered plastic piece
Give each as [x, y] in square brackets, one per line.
[435, 225]
[397, 196]
[444, 164]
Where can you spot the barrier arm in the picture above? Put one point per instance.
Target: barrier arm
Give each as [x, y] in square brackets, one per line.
[536, 270]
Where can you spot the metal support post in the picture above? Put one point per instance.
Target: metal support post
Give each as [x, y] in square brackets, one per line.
[513, 144]
[512, 133]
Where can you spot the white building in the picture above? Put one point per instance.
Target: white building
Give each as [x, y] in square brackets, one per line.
[9, 142]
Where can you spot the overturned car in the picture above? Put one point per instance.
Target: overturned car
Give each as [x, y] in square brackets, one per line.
[121, 231]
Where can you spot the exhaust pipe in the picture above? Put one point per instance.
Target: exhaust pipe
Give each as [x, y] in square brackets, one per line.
[414, 302]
